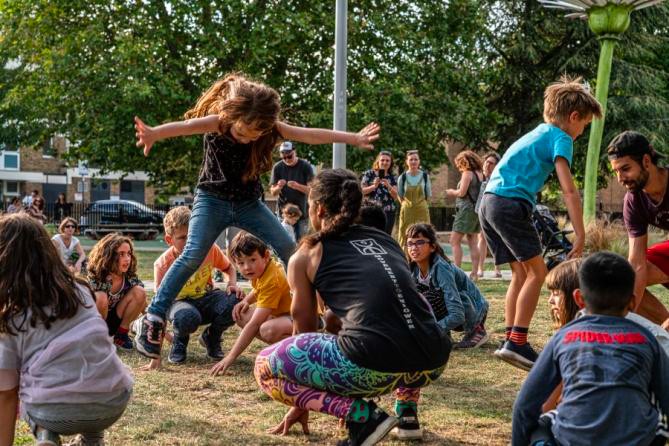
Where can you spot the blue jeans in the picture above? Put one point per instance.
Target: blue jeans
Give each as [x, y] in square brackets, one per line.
[213, 308]
[210, 216]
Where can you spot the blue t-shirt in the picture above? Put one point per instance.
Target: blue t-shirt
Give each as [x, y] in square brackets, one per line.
[524, 168]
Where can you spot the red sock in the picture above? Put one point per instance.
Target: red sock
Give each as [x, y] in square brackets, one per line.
[122, 331]
[518, 335]
[507, 332]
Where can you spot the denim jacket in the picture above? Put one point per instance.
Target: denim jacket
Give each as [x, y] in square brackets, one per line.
[464, 302]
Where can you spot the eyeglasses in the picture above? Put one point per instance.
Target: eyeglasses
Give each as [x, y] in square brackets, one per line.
[287, 157]
[417, 244]
[385, 152]
[412, 152]
[69, 226]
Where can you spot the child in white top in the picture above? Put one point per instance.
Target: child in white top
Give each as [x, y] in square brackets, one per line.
[55, 355]
[68, 246]
[291, 215]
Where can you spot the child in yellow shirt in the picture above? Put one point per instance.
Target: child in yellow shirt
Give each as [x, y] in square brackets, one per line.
[270, 320]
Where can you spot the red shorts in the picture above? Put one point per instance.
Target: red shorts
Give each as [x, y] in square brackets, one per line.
[658, 255]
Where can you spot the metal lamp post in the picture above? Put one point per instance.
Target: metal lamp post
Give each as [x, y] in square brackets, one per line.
[339, 149]
[607, 20]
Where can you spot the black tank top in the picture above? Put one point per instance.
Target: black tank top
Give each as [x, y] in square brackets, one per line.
[224, 164]
[386, 324]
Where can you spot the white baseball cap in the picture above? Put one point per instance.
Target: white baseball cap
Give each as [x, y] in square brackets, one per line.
[286, 146]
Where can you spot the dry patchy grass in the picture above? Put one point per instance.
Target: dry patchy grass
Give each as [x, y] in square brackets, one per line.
[182, 405]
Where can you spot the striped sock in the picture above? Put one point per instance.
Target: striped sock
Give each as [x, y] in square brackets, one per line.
[518, 335]
[507, 332]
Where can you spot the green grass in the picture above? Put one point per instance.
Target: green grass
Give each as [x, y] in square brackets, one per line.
[182, 405]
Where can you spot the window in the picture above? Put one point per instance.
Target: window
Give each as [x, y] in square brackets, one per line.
[126, 186]
[11, 188]
[9, 160]
[48, 148]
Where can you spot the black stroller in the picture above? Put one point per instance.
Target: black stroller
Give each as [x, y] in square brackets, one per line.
[554, 241]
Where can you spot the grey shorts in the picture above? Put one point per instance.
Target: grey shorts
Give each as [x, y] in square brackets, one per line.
[508, 229]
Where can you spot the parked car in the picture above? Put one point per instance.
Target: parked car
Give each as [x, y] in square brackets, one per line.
[126, 216]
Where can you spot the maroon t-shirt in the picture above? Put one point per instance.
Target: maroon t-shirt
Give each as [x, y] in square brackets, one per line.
[639, 211]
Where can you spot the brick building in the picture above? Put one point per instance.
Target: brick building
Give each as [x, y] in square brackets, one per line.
[42, 168]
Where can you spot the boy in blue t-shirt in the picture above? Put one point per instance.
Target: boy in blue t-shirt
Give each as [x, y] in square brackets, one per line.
[613, 370]
[506, 207]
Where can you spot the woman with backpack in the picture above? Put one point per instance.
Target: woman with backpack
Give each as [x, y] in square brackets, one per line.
[466, 221]
[414, 189]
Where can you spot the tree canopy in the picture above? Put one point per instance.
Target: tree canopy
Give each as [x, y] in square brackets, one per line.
[467, 70]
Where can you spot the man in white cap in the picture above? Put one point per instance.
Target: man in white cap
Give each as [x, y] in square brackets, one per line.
[290, 178]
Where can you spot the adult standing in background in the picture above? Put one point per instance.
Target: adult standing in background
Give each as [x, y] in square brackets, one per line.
[14, 205]
[290, 178]
[380, 186]
[490, 160]
[62, 208]
[466, 221]
[414, 189]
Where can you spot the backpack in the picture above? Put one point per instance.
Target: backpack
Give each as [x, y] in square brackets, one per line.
[402, 183]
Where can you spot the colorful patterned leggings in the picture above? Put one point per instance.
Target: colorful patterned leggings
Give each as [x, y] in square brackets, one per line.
[310, 372]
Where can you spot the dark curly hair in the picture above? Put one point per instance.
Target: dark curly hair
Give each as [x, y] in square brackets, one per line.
[34, 284]
[103, 259]
[338, 191]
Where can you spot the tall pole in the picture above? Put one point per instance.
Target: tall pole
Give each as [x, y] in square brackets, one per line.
[339, 149]
[597, 129]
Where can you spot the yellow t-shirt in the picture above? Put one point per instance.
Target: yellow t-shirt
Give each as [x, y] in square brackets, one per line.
[272, 290]
[200, 283]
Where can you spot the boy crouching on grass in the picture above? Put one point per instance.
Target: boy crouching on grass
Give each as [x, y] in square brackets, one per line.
[198, 303]
[506, 207]
[270, 320]
[611, 369]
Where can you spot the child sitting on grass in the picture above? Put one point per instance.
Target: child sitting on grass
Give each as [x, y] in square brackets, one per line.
[270, 320]
[291, 215]
[52, 341]
[119, 294]
[68, 246]
[455, 300]
[510, 196]
[199, 302]
[609, 367]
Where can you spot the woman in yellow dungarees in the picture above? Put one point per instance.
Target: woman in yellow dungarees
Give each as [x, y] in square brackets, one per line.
[414, 190]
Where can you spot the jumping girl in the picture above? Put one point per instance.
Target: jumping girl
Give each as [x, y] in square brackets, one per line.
[389, 338]
[119, 294]
[240, 120]
[53, 341]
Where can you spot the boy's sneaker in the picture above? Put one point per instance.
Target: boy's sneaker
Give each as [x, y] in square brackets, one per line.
[178, 351]
[149, 336]
[214, 350]
[521, 356]
[371, 431]
[408, 427]
[475, 338]
[123, 341]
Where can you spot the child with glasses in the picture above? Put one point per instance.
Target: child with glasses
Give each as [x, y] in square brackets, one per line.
[455, 300]
[68, 246]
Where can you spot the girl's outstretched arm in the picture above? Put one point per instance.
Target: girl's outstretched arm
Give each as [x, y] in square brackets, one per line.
[363, 139]
[147, 136]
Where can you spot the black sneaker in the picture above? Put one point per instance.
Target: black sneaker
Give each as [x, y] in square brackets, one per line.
[214, 350]
[178, 351]
[149, 337]
[521, 356]
[408, 428]
[371, 431]
[123, 341]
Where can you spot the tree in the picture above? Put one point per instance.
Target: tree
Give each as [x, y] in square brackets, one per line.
[87, 67]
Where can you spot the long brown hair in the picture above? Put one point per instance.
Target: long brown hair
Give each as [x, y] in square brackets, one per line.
[564, 278]
[236, 98]
[426, 230]
[103, 259]
[338, 191]
[34, 280]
